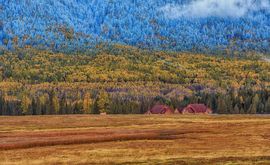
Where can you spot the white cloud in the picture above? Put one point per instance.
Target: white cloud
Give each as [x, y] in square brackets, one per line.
[218, 8]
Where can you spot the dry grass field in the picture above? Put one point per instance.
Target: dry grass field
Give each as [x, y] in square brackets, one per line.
[135, 139]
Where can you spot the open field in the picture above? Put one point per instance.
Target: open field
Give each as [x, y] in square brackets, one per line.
[135, 139]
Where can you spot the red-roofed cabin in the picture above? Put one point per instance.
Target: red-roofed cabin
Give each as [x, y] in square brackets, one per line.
[196, 109]
[160, 109]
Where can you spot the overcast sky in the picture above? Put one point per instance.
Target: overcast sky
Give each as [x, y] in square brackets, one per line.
[218, 8]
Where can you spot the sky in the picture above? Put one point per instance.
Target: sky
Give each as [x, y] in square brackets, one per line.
[216, 8]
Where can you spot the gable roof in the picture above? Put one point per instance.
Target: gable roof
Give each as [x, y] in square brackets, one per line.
[160, 109]
[197, 108]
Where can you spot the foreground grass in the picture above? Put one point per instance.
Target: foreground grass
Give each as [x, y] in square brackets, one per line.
[135, 139]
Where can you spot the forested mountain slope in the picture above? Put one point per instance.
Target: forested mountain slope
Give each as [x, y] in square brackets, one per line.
[129, 80]
[124, 56]
[182, 25]
[130, 64]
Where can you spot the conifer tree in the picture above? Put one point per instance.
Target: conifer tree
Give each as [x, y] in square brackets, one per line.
[2, 101]
[236, 109]
[69, 107]
[63, 105]
[103, 102]
[38, 106]
[222, 108]
[254, 105]
[260, 108]
[229, 104]
[242, 111]
[55, 104]
[45, 107]
[267, 106]
[78, 108]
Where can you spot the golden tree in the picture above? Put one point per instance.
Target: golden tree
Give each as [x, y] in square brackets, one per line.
[87, 103]
[25, 104]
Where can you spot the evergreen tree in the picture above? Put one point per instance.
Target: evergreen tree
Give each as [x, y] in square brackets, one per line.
[229, 104]
[260, 108]
[267, 106]
[242, 111]
[236, 109]
[248, 102]
[95, 107]
[5, 108]
[254, 105]
[221, 108]
[78, 107]
[69, 109]
[63, 105]
[44, 103]
[1, 104]
[33, 106]
[38, 106]
[55, 104]
[103, 102]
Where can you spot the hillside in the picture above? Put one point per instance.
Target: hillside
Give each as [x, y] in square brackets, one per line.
[122, 57]
[129, 64]
[125, 80]
[197, 26]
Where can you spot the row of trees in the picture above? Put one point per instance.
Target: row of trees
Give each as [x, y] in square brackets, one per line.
[242, 101]
[48, 104]
[52, 101]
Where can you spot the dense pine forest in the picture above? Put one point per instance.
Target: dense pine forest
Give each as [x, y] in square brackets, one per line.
[127, 80]
[208, 26]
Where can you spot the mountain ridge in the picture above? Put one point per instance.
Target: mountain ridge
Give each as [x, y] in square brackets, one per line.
[79, 24]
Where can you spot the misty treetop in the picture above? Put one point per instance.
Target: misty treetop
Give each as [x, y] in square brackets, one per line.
[183, 25]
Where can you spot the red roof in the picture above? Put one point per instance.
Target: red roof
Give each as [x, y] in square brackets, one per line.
[161, 109]
[196, 108]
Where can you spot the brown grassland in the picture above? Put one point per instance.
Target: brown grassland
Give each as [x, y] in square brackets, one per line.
[135, 139]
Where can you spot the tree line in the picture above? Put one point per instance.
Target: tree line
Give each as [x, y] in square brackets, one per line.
[52, 101]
